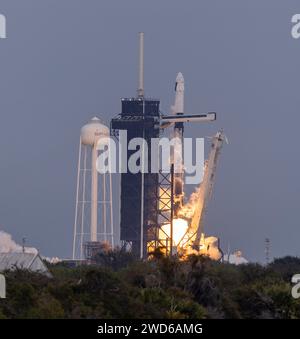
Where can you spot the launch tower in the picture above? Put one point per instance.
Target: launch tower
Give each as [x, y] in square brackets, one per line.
[140, 117]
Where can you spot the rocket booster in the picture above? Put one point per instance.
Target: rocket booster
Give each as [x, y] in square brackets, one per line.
[178, 109]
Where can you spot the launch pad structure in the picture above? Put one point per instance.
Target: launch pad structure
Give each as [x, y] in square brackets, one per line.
[140, 117]
[150, 200]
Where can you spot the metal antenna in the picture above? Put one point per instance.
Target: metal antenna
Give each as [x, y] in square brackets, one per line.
[228, 251]
[141, 66]
[23, 244]
[267, 250]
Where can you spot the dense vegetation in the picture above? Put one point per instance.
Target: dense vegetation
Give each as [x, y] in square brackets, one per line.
[121, 287]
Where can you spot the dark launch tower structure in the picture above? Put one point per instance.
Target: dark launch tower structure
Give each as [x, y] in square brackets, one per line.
[140, 118]
[139, 192]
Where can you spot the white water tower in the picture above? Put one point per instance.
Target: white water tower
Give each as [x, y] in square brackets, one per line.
[93, 224]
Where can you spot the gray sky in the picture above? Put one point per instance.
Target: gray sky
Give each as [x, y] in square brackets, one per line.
[66, 61]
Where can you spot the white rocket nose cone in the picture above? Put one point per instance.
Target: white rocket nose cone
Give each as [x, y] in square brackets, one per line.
[179, 77]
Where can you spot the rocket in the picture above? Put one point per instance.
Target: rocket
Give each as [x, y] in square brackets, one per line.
[177, 119]
[178, 109]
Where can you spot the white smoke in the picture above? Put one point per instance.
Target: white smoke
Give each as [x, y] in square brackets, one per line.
[53, 260]
[8, 245]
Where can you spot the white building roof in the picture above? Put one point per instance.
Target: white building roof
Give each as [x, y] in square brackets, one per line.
[26, 261]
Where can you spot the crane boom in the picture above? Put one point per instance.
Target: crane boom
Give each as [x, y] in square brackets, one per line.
[205, 190]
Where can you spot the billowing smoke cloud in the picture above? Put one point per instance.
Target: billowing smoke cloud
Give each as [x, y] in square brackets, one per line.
[53, 260]
[8, 245]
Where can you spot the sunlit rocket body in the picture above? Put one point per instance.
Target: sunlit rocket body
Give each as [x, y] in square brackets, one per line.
[178, 109]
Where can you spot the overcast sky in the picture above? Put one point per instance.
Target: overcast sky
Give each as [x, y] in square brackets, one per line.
[66, 61]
